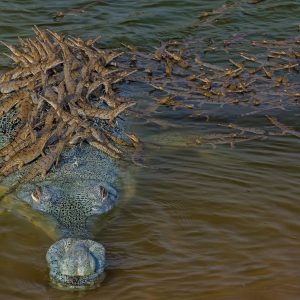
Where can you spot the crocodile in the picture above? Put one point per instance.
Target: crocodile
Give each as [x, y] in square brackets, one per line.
[61, 141]
[84, 184]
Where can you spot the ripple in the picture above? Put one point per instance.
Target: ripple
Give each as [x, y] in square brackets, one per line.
[204, 223]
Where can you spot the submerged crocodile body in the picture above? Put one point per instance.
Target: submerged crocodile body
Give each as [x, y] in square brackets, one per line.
[84, 184]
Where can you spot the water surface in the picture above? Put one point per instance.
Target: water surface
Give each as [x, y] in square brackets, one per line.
[203, 223]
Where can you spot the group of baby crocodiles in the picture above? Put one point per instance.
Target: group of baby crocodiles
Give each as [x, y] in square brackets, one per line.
[61, 94]
[51, 89]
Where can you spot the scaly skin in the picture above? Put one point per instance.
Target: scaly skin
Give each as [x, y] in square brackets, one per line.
[21, 140]
[7, 103]
[25, 157]
[103, 114]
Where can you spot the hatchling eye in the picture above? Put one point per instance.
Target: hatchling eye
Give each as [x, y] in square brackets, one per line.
[37, 194]
[103, 193]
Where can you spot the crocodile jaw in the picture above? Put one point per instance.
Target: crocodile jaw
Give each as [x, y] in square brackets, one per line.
[75, 264]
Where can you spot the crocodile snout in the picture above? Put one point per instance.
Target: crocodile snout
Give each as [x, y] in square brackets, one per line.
[75, 263]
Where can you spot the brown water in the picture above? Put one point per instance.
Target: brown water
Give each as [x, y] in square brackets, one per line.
[212, 224]
[204, 223]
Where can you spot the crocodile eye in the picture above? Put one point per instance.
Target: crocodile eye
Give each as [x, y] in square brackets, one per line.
[103, 193]
[36, 194]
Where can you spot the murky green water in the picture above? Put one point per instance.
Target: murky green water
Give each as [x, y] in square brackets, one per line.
[204, 223]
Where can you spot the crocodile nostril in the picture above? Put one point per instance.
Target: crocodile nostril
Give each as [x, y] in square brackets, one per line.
[103, 193]
[36, 195]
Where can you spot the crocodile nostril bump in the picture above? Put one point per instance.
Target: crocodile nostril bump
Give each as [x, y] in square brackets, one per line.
[75, 263]
[77, 260]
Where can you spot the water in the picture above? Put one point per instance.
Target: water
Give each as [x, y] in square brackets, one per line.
[204, 223]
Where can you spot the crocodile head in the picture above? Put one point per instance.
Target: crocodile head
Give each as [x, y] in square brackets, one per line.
[75, 261]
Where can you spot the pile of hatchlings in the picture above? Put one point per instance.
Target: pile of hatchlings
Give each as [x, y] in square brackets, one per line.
[52, 91]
